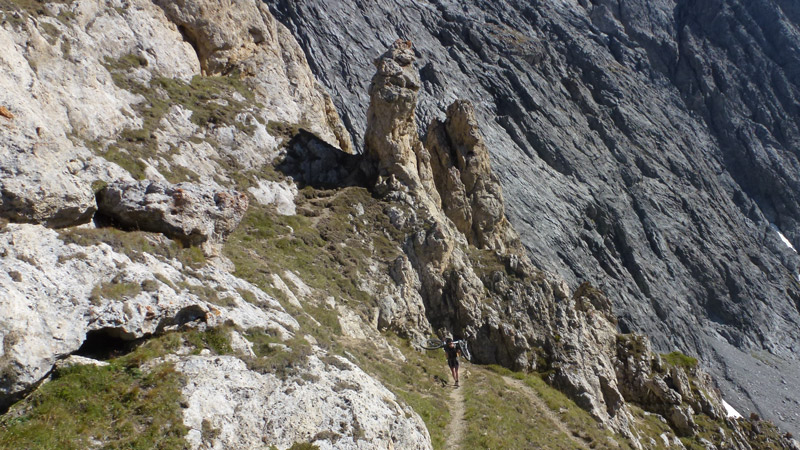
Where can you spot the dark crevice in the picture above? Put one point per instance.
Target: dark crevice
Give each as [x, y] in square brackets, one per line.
[189, 314]
[107, 343]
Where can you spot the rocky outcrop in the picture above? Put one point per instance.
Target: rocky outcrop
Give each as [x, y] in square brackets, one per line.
[242, 36]
[190, 213]
[56, 294]
[461, 229]
[38, 188]
[342, 408]
[644, 146]
[470, 191]
[677, 390]
[391, 139]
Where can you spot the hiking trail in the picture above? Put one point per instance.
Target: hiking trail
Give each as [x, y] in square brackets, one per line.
[456, 428]
[534, 398]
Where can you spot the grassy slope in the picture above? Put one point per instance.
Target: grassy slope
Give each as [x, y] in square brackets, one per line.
[117, 406]
[267, 244]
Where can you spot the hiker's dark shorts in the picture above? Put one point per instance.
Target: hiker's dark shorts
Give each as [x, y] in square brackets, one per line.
[452, 363]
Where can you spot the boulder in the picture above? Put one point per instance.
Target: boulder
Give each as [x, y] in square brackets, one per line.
[39, 187]
[188, 212]
[343, 408]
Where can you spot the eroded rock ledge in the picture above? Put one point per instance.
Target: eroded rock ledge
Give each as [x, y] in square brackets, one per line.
[191, 213]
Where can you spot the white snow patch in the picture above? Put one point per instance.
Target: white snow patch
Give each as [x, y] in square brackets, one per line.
[783, 238]
[730, 411]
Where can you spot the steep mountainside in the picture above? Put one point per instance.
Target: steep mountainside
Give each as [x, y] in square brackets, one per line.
[650, 147]
[193, 256]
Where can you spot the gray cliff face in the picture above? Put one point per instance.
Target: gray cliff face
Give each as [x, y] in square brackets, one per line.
[646, 147]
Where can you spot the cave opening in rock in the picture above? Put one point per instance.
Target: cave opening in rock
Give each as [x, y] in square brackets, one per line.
[189, 35]
[106, 343]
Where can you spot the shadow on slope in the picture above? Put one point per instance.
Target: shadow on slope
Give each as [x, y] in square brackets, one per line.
[310, 161]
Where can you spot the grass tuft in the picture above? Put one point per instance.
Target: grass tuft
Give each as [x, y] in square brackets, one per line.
[680, 360]
[114, 290]
[135, 244]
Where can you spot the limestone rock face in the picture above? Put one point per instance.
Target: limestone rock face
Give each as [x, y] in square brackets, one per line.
[55, 293]
[402, 309]
[582, 347]
[391, 139]
[73, 89]
[470, 191]
[342, 408]
[191, 213]
[242, 35]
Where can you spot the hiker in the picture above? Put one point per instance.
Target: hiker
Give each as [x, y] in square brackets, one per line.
[453, 352]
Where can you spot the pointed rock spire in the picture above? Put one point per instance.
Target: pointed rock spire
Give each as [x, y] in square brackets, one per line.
[391, 138]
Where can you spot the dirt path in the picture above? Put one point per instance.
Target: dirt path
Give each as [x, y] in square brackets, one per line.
[534, 398]
[456, 428]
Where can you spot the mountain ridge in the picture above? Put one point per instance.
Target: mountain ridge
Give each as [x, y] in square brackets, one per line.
[633, 150]
[239, 257]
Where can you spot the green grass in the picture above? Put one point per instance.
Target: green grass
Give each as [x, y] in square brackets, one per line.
[135, 244]
[679, 359]
[499, 416]
[577, 420]
[116, 407]
[325, 252]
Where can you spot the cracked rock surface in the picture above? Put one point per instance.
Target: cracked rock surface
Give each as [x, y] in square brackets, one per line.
[643, 146]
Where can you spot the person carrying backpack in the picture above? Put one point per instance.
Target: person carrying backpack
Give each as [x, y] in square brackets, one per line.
[453, 352]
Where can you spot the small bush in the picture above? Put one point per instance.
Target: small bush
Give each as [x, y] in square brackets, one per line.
[216, 339]
[274, 356]
[303, 446]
